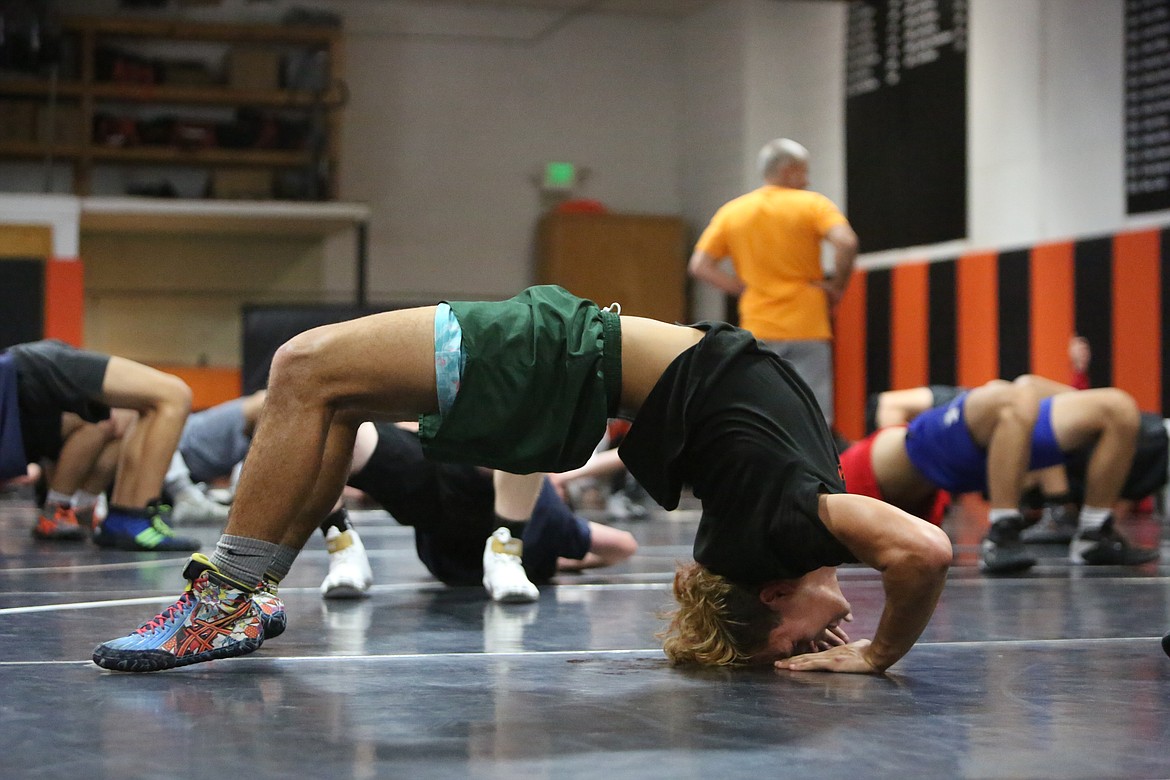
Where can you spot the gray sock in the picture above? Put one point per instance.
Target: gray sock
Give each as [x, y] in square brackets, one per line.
[281, 563]
[242, 558]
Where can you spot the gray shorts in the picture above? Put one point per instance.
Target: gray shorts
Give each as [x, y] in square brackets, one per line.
[813, 360]
[214, 441]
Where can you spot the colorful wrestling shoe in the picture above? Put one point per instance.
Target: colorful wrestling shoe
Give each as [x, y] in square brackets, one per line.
[1002, 551]
[272, 614]
[141, 530]
[1106, 547]
[85, 519]
[349, 574]
[1057, 525]
[62, 526]
[503, 570]
[216, 617]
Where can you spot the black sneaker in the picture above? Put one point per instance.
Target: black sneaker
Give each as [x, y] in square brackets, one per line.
[1032, 503]
[1057, 525]
[1003, 552]
[1104, 546]
[1166, 644]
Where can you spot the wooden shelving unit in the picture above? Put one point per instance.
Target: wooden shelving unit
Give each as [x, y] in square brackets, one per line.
[87, 97]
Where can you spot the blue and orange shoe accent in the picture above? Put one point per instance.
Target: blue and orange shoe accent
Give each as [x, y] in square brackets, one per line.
[272, 614]
[215, 617]
[141, 530]
[58, 522]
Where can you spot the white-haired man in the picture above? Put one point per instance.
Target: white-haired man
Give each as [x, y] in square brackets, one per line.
[773, 237]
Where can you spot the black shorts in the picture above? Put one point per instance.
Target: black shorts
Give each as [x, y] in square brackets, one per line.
[53, 378]
[941, 395]
[1148, 473]
[451, 508]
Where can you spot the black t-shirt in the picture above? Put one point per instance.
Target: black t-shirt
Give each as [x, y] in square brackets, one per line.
[733, 420]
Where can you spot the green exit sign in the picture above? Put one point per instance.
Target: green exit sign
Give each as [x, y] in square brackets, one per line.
[560, 176]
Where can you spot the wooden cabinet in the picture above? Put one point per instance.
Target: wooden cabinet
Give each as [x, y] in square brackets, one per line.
[173, 105]
[638, 261]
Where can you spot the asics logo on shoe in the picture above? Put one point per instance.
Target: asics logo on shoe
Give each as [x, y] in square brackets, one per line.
[201, 635]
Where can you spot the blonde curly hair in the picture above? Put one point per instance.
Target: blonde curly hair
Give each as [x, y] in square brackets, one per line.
[717, 623]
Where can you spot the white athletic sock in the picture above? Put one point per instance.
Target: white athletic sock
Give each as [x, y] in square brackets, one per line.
[995, 515]
[57, 497]
[83, 499]
[1092, 518]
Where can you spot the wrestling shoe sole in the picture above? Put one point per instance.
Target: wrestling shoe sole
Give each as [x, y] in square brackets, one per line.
[160, 660]
[344, 592]
[273, 625]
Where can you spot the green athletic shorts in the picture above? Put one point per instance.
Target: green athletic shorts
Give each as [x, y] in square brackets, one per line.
[542, 376]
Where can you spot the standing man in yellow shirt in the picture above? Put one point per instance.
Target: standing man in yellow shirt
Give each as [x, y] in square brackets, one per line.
[773, 237]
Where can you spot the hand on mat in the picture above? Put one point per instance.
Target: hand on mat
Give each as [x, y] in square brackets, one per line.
[845, 658]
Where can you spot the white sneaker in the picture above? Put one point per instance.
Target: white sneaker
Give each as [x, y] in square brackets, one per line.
[503, 573]
[191, 506]
[619, 506]
[349, 574]
[221, 495]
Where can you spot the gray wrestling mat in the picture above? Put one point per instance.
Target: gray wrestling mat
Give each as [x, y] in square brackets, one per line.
[1056, 674]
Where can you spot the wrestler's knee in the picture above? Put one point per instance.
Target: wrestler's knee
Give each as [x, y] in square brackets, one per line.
[173, 395]
[1025, 380]
[302, 363]
[1020, 408]
[107, 429]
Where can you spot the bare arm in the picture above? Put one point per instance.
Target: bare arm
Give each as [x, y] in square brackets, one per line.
[912, 557]
[705, 268]
[1042, 386]
[899, 407]
[845, 244]
[599, 463]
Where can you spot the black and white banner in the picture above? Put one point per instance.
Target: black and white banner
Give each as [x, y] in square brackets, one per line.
[906, 121]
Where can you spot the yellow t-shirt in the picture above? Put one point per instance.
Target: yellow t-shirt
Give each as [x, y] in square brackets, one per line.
[773, 236]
